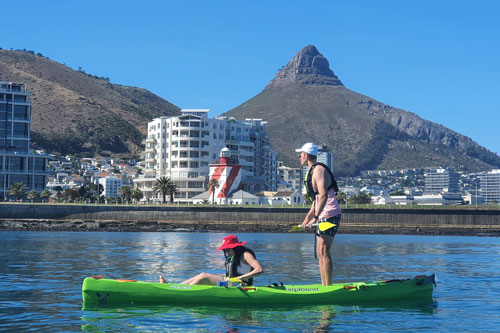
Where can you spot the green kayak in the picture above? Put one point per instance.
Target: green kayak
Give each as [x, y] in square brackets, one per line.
[98, 291]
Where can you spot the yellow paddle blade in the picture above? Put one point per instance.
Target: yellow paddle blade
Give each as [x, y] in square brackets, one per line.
[296, 228]
[233, 279]
[325, 226]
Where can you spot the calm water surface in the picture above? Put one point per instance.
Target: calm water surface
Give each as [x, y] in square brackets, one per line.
[41, 276]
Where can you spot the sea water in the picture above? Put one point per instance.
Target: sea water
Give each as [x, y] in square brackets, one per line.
[41, 275]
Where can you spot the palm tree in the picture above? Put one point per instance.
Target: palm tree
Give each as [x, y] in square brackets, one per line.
[71, 194]
[341, 197]
[172, 189]
[32, 195]
[165, 185]
[213, 184]
[45, 194]
[137, 194]
[18, 190]
[125, 193]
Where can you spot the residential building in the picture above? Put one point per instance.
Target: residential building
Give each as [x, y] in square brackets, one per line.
[292, 176]
[439, 199]
[281, 198]
[18, 163]
[111, 185]
[490, 186]
[440, 180]
[325, 156]
[182, 148]
[374, 190]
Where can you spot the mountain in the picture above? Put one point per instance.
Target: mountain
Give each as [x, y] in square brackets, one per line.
[74, 112]
[307, 102]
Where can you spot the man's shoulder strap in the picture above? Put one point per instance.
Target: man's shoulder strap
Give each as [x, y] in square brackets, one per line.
[334, 184]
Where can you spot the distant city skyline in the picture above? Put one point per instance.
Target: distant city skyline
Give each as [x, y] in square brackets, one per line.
[437, 59]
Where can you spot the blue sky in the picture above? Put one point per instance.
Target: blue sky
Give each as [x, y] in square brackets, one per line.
[438, 59]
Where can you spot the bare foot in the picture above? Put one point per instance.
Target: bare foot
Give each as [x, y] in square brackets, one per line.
[162, 280]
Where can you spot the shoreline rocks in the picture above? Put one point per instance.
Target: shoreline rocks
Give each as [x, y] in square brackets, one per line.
[252, 227]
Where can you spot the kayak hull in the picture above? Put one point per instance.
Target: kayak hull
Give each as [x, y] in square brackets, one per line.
[102, 292]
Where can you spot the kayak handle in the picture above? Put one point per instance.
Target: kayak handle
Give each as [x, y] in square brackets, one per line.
[97, 277]
[248, 288]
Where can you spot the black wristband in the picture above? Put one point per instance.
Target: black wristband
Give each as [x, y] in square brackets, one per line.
[315, 217]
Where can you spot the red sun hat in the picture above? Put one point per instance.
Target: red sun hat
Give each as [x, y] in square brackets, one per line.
[230, 242]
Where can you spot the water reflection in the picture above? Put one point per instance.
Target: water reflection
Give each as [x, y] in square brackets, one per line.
[319, 318]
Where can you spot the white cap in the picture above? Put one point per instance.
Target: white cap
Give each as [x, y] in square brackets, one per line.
[309, 148]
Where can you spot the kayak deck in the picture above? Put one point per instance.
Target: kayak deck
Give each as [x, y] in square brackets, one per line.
[97, 291]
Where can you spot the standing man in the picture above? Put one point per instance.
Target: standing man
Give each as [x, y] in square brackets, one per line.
[325, 211]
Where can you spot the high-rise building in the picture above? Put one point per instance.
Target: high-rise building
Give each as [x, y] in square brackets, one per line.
[440, 180]
[18, 164]
[490, 186]
[325, 156]
[182, 148]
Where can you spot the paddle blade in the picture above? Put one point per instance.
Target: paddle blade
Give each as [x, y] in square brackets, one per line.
[325, 226]
[296, 228]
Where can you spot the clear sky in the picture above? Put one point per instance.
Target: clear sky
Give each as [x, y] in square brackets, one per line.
[437, 58]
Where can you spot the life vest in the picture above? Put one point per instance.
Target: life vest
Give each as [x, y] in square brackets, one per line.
[308, 182]
[230, 272]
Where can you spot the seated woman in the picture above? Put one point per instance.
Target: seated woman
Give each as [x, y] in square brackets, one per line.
[240, 264]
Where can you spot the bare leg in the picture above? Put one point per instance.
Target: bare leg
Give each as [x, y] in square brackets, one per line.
[324, 244]
[204, 278]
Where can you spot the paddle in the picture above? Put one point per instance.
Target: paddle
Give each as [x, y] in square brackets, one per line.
[321, 225]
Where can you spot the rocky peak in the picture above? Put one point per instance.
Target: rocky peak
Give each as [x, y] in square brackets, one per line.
[307, 67]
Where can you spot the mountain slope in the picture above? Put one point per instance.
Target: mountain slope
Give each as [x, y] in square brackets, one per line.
[73, 112]
[306, 102]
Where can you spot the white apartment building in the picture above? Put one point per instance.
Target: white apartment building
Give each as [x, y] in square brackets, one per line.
[490, 186]
[182, 147]
[292, 176]
[111, 186]
[441, 180]
[18, 164]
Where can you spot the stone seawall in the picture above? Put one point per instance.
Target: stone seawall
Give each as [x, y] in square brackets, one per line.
[242, 219]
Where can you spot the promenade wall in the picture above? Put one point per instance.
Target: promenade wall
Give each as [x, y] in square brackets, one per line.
[14, 216]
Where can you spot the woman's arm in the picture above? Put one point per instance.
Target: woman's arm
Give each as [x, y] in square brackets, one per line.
[249, 259]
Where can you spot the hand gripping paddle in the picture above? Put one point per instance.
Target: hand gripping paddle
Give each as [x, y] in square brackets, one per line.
[322, 226]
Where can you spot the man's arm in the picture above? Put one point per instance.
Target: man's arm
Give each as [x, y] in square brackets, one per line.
[308, 220]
